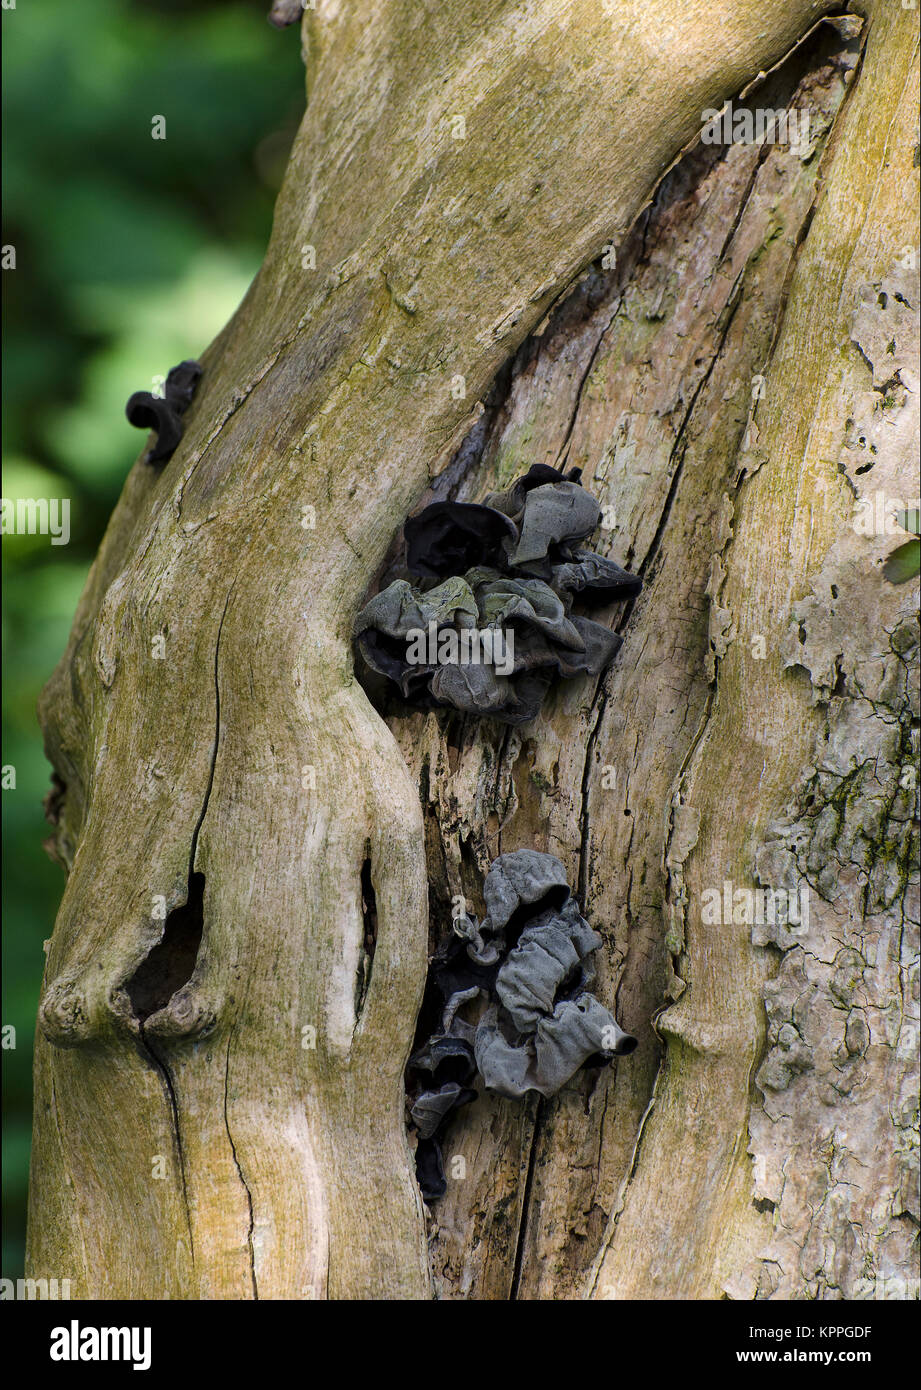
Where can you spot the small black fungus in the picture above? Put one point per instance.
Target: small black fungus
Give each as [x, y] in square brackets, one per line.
[442, 1069]
[489, 625]
[530, 962]
[431, 1107]
[163, 414]
[430, 1172]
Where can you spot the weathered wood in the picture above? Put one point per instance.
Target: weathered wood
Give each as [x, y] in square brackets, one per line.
[250, 754]
[815, 1206]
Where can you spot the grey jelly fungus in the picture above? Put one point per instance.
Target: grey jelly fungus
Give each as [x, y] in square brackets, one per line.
[526, 967]
[488, 626]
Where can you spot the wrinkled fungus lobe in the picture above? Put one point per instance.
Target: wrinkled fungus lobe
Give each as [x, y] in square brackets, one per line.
[512, 565]
[163, 414]
[529, 961]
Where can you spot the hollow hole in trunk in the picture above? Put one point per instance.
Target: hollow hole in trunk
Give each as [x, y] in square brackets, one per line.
[170, 964]
[369, 929]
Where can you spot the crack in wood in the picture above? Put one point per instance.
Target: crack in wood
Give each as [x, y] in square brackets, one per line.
[246, 1188]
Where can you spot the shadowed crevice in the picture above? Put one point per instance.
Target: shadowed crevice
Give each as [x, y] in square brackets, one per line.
[170, 964]
[369, 933]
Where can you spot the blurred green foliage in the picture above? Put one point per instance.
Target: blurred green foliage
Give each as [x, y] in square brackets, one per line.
[131, 253]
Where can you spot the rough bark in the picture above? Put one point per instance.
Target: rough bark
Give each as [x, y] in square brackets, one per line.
[249, 766]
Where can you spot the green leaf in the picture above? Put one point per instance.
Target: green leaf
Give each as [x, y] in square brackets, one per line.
[910, 521]
[903, 564]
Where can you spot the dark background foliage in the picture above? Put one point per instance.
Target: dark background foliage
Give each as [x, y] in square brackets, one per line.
[130, 254]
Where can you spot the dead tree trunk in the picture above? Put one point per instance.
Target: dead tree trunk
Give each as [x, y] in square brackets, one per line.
[219, 1109]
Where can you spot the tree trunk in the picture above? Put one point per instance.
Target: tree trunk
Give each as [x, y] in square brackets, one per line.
[220, 1057]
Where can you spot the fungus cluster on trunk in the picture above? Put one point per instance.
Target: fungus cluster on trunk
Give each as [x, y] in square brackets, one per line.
[525, 968]
[507, 573]
[163, 414]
